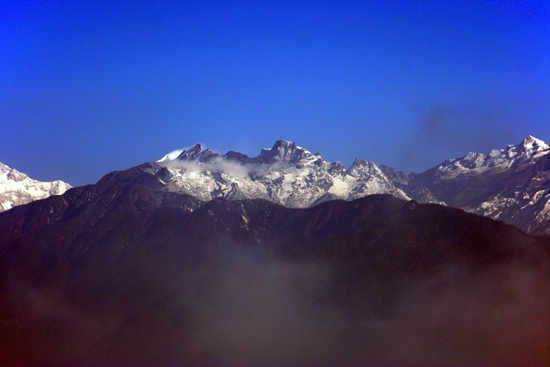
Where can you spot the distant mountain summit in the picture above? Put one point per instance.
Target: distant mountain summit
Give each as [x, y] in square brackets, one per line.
[283, 151]
[286, 152]
[510, 184]
[16, 188]
[529, 150]
[286, 174]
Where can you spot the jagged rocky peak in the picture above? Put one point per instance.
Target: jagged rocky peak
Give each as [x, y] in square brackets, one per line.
[396, 176]
[197, 152]
[361, 167]
[337, 169]
[285, 152]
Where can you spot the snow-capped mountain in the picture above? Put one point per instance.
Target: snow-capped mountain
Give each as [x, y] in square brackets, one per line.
[16, 188]
[510, 184]
[285, 174]
[498, 160]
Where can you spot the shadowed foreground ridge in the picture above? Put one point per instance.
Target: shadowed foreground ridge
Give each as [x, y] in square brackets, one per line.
[124, 274]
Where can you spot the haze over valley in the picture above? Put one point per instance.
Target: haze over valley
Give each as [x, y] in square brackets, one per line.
[274, 183]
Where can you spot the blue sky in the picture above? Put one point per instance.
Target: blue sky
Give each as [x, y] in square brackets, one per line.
[87, 87]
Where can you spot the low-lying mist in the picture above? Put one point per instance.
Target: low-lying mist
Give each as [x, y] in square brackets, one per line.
[241, 307]
[219, 164]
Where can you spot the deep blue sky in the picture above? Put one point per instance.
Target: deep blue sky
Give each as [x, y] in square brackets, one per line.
[87, 87]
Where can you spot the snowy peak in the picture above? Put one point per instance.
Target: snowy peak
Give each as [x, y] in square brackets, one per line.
[16, 188]
[510, 184]
[497, 160]
[171, 156]
[525, 151]
[12, 174]
[193, 153]
[531, 141]
[285, 152]
[361, 167]
[534, 145]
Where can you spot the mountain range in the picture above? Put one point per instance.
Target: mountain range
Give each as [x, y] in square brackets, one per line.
[510, 184]
[284, 259]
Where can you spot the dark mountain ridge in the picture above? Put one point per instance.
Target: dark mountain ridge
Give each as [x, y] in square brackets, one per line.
[125, 273]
